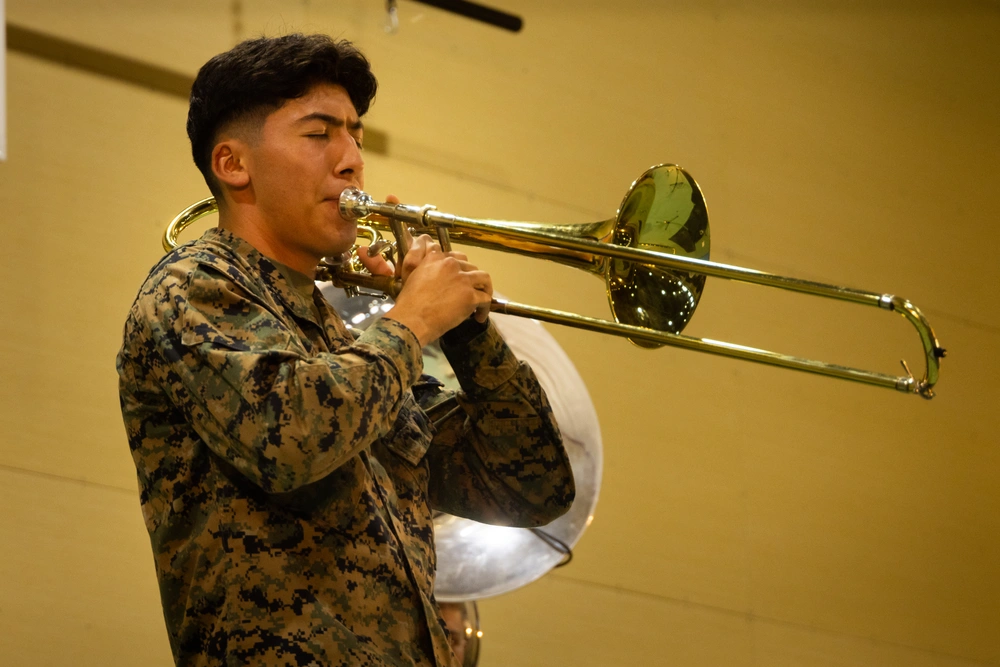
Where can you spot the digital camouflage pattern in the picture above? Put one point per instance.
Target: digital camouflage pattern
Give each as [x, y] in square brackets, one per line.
[288, 472]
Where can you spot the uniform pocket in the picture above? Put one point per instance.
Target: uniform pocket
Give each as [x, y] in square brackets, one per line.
[411, 434]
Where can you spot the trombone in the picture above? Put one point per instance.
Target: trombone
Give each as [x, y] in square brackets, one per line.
[653, 256]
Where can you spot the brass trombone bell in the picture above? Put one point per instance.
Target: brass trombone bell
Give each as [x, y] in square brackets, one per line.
[653, 256]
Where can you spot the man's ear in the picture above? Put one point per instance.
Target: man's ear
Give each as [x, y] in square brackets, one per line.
[229, 163]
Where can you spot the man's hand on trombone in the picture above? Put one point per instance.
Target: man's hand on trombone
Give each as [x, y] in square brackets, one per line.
[440, 289]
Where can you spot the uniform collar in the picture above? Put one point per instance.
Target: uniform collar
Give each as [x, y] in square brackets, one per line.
[290, 286]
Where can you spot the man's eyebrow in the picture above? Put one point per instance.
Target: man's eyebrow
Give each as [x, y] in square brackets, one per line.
[331, 120]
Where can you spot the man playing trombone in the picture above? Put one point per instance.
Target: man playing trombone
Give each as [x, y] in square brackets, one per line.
[288, 471]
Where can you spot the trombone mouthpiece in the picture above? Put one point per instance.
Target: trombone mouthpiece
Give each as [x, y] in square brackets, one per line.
[354, 204]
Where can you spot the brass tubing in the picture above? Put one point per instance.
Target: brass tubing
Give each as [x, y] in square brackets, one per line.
[426, 219]
[932, 349]
[192, 213]
[652, 258]
[902, 383]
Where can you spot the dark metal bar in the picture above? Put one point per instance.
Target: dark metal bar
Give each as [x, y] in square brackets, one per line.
[478, 12]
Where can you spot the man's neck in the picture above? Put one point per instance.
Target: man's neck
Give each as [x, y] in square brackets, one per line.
[241, 221]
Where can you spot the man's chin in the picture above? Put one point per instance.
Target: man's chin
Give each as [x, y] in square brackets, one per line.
[338, 235]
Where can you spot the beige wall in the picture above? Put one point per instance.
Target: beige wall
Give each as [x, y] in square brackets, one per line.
[749, 516]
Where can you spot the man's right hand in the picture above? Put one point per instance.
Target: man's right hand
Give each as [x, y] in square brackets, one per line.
[440, 290]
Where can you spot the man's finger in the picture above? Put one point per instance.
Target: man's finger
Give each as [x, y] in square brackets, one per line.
[483, 311]
[482, 282]
[377, 265]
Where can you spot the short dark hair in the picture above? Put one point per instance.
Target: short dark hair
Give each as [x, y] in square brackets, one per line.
[259, 75]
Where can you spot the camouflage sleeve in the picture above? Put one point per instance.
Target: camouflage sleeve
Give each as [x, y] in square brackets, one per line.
[283, 416]
[497, 455]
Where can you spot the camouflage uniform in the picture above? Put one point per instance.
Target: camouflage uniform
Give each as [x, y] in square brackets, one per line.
[287, 471]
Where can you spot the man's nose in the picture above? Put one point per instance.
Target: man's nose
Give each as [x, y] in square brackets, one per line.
[349, 160]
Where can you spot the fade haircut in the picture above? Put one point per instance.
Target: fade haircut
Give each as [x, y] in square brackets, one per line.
[257, 76]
